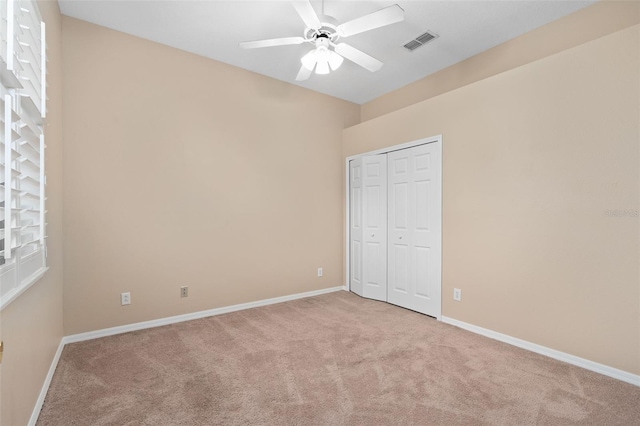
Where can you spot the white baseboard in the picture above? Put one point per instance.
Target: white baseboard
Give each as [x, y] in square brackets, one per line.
[195, 315]
[157, 323]
[45, 385]
[625, 376]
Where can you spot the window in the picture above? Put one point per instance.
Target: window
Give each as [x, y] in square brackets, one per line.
[22, 178]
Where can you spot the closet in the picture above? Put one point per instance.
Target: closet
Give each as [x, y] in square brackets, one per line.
[395, 226]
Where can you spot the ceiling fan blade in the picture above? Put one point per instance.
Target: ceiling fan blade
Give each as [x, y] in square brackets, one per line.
[388, 15]
[272, 42]
[306, 12]
[304, 73]
[358, 57]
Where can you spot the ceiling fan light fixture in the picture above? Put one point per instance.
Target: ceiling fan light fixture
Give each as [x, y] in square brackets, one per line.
[309, 60]
[322, 67]
[335, 60]
[322, 58]
[322, 53]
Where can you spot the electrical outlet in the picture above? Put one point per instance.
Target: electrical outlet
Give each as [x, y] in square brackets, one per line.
[184, 291]
[125, 298]
[320, 273]
[457, 294]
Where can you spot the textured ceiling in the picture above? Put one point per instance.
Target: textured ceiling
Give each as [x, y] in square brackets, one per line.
[214, 29]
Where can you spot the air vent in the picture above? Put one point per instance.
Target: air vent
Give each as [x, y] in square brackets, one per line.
[412, 45]
[421, 40]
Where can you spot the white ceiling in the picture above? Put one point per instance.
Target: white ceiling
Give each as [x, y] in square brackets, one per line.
[214, 29]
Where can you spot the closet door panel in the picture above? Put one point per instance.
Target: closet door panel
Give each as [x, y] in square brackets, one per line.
[400, 209]
[374, 230]
[355, 221]
[414, 209]
[398, 268]
[428, 229]
[421, 177]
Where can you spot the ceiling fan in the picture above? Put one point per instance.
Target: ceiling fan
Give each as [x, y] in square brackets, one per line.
[324, 31]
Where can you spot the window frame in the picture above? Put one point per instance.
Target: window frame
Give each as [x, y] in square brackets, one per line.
[23, 249]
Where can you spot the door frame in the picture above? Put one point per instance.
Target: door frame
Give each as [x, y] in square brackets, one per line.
[424, 141]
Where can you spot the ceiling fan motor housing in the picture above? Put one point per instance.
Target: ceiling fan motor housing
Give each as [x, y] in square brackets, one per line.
[327, 28]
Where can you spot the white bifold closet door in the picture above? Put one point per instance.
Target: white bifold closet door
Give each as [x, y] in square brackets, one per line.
[414, 229]
[369, 226]
[395, 227]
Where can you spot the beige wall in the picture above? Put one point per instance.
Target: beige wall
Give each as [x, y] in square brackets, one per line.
[180, 170]
[533, 159]
[585, 25]
[31, 326]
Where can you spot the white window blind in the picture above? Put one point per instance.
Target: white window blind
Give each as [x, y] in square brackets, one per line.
[22, 160]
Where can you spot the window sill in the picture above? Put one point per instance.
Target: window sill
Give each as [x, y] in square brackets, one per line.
[14, 293]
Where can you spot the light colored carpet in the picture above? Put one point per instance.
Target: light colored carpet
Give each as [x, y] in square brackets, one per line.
[335, 359]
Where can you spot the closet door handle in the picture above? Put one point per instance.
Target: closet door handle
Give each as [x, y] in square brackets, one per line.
[400, 237]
